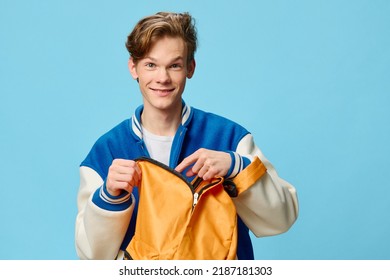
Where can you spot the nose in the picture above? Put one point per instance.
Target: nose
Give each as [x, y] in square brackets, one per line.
[163, 76]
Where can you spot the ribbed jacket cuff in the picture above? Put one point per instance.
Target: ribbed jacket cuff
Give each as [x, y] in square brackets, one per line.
[238, 164]
[104, 200]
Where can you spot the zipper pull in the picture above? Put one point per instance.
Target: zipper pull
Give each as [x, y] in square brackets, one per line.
[196, 195]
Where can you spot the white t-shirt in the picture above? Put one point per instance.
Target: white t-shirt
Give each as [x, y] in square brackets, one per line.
[159, 147]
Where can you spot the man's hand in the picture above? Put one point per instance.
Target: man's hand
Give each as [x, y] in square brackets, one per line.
[123, 175]
[208, 164]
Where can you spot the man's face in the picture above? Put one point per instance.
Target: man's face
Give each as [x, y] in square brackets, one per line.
[162, 74]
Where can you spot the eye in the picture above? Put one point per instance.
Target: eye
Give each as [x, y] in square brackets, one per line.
[150, 65]
[176, 66]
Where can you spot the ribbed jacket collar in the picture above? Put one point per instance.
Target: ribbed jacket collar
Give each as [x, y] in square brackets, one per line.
[186, 116]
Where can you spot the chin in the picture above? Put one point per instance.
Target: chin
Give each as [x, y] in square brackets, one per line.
[164, 105]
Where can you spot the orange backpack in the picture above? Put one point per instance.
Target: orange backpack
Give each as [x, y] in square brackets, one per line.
[181, 220]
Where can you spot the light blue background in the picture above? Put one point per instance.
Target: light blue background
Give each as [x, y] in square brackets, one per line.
[309, 79]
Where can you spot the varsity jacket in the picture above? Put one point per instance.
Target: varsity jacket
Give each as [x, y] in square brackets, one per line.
[105, 224]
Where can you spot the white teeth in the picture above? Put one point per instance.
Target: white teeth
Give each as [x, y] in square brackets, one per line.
[166, 91]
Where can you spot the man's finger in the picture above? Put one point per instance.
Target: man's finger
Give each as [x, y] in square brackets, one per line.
[186, 162]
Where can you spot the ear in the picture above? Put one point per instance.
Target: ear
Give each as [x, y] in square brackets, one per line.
[132, 68]
[191, 69]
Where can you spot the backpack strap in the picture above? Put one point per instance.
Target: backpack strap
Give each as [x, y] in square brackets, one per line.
[247, 177]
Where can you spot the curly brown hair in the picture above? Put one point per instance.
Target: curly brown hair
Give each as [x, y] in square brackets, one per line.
[151, 28]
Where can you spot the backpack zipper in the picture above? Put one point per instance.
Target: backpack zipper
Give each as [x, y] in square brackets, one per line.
[196, 195]
[178, 174]
[192, 187]
[204, 188]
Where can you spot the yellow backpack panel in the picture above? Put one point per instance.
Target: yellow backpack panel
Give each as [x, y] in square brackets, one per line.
[179, 220]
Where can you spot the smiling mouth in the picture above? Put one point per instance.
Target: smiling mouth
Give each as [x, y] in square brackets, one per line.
[162, 91]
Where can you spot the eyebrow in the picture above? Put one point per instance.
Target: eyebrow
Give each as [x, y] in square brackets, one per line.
[173, 60]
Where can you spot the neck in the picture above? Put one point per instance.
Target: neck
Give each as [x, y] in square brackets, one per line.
[161, 123]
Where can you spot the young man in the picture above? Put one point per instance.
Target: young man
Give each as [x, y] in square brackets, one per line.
[191, 141]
